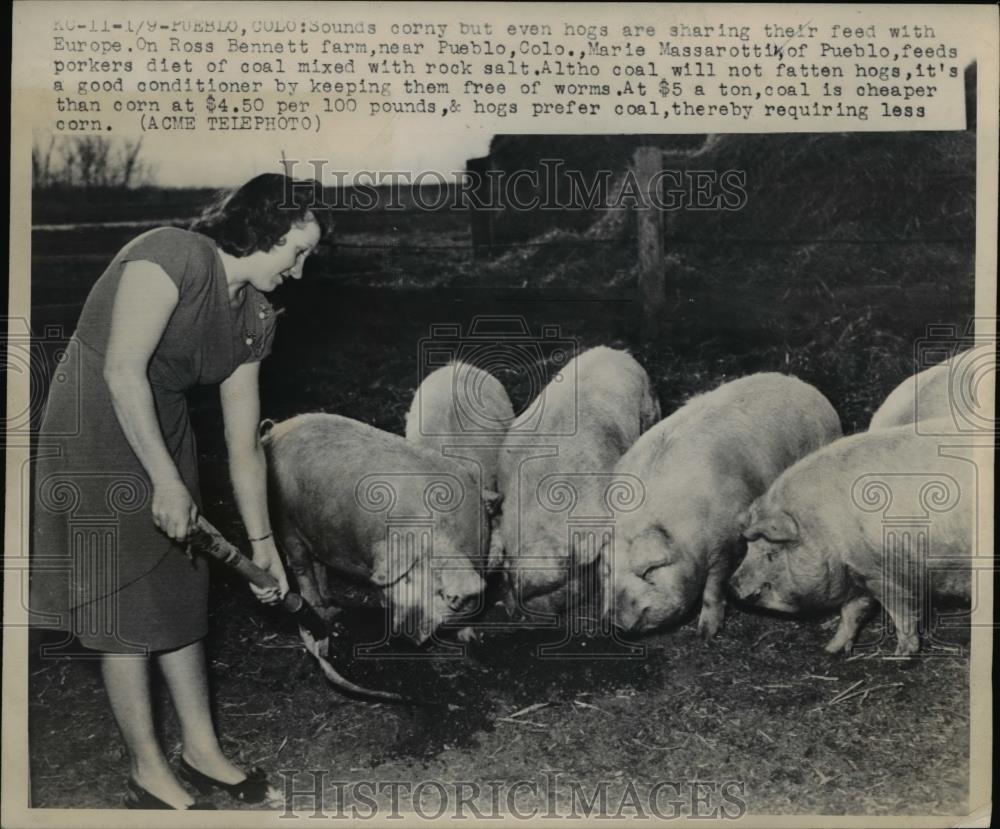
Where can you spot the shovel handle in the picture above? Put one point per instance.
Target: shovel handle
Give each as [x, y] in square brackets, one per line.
[207, 540]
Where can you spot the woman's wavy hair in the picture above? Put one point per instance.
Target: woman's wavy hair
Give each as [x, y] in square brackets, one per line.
[255, 216]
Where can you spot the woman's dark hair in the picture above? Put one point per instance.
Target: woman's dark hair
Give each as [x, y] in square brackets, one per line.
[255, 216]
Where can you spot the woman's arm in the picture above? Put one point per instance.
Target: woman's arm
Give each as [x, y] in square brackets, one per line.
[248, 470]
[144, 301]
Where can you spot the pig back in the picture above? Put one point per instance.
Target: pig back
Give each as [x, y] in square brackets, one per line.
[769, 420]
[465, 408]
[557, 461]
[745, 432]
[922, 396]
[587, 417]
[343, 488]
[953, 389]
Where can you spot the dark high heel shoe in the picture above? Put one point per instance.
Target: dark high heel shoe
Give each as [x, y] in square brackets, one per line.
[136, 797]
[252, 789]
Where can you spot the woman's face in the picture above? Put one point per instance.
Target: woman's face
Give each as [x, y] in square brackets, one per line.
[268, 269]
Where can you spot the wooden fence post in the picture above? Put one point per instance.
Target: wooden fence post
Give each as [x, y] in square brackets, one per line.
[481, 219]
[652, 258]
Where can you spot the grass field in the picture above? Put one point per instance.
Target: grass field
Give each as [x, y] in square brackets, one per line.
[759, 705]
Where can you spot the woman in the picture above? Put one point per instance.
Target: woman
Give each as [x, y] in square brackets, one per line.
[175, 308]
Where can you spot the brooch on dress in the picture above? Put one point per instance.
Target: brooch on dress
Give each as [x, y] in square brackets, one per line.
[254, 339]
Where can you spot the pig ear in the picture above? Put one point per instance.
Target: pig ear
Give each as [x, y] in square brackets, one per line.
[777, 527]
[492, 501]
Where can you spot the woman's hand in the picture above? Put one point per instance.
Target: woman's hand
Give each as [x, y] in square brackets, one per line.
[265, 556]
[174, 510]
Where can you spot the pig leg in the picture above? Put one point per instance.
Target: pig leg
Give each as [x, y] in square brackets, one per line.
[310, 576]
[854, 613]
[713, 603]
[328, 610]
[903, 608]
[510, 600]
[545, 609]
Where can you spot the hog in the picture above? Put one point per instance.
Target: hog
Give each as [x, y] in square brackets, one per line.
[465, 412]
[701, 467]
[375, 508]
[947, 390]
[555, 472]
[840, 529]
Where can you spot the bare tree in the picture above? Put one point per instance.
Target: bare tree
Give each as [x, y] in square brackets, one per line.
[68, 173]
[130, 165]
[90, 161]
[41, 162]
[92, 154]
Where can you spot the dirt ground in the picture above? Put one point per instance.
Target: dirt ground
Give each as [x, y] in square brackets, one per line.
[758, 706]
[762, 708]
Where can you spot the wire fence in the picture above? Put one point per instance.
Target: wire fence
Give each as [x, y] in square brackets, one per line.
[644, 239]
[675, 240]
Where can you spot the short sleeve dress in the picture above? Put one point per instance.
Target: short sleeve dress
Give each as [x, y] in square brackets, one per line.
[100, 569]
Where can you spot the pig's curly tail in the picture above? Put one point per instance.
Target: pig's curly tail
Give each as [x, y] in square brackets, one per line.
[264, 430]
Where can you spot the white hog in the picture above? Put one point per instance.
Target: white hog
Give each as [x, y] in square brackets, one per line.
[463, 410]
[701, 467]
[851, 524]
[556, 471]
[948, 390]
[371, 506]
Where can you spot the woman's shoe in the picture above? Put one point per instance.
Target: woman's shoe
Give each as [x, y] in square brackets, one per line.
[136, 797]
[253, 789]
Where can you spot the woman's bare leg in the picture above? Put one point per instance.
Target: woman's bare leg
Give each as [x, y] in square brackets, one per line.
[126, 680]
[187, 680]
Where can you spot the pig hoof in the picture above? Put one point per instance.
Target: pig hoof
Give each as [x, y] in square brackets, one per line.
[328, 613]
[835, 646]
[708, 630]
[468, 636]
[710, 621]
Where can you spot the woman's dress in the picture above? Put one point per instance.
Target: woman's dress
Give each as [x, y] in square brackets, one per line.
[101, 570]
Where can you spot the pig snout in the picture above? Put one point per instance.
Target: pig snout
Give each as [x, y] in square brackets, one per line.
[627, 610]
[460, 588]
[414, 623]
[428, 598]
[629, 601]
[656, 596]
[745, 588]
[764, 584]
[455, 600]
[423, 629]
